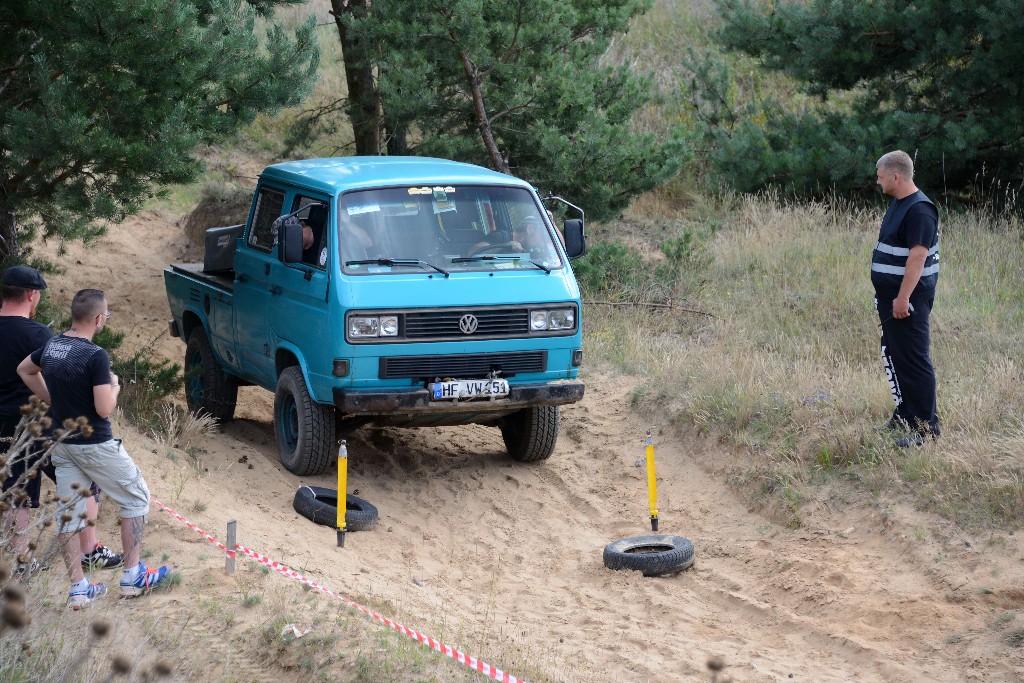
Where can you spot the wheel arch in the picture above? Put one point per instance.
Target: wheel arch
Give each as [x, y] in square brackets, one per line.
[287, 356]
[190, 320]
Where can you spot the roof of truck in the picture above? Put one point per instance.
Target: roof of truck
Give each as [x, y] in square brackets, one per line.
[338, 174]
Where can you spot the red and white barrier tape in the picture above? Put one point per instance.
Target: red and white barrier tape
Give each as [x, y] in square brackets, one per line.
[462, 658]
[190, 525]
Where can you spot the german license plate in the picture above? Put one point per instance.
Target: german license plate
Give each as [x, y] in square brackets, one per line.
[469, 388]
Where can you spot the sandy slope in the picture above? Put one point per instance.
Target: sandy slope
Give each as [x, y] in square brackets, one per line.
[508, 556]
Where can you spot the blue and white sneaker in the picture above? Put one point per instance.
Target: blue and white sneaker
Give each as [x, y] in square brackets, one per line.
[147, 580]
[82, 597]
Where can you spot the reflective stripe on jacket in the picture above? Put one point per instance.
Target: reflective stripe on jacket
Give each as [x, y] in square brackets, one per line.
[889, 259]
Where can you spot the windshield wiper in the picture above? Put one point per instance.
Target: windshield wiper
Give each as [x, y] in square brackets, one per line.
[396, 262]
[492, 257]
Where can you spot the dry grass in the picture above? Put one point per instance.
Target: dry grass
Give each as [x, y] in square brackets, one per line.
[790, 370]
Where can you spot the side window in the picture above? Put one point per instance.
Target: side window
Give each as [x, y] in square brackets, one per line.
[262, 234]
[312, 215]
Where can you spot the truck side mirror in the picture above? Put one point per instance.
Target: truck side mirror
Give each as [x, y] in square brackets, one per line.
[575, 241]
[289, 242]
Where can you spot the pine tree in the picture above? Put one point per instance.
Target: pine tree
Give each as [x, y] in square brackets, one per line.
[941, 79]
[520, 86]
[102, 100]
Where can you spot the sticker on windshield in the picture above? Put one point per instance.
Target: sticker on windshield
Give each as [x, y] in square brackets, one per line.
[442, 205]
[362, 208]
[323, 257]
[432, 190]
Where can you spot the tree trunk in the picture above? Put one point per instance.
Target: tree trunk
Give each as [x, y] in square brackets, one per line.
[397, 138]
[498, 162]
[363, 103]
[8, 235]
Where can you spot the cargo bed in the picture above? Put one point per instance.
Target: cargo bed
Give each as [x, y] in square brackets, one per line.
[223, 280]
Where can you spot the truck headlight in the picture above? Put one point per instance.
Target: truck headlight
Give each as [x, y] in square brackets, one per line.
[389, 326]
[553, 319]
[562, 319]
[369, 326]
[363, 326]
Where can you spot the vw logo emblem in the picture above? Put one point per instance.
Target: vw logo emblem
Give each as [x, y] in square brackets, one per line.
[468, 324]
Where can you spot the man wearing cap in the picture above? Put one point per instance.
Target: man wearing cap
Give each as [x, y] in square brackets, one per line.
[22, 290]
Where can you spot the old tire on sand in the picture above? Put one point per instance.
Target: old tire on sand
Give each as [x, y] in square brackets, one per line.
[652, 555]
[320, 505]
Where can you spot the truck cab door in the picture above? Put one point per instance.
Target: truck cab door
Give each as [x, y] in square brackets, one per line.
[298, 303]
[255, 262]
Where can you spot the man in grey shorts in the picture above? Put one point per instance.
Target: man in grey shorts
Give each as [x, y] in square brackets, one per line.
[73, 375]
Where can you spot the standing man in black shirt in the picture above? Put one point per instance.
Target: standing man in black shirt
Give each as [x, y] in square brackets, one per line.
[73, 375]
[904, 272]
[22, 291]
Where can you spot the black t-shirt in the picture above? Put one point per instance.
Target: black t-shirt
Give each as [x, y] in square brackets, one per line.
[72, 366]
[919, 226]
[21, 336]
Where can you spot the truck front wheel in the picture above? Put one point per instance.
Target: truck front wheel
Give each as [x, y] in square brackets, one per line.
[531, 433]
[304, 428]
[207, 389]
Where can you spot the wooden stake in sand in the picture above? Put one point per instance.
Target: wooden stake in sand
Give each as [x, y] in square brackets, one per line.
[229, 558]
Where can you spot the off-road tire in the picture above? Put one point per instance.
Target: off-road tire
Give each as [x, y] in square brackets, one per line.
[208, 391]
[320, 506]
[652, 555]
[304, 428]
[531, 433]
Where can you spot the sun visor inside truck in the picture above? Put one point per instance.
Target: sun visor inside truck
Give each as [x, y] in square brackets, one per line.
[219, 251]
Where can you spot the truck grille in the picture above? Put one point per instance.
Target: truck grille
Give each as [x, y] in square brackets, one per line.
[462, 366]
[501, 322]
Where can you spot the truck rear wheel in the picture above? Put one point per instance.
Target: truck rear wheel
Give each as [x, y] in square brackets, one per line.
[304, 428]
[207, 389]
[531, 433]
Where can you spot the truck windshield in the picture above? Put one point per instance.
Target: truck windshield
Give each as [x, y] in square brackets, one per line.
[445, 228]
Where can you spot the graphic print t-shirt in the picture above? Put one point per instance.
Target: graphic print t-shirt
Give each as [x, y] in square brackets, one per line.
[72, 366]
[21, 336]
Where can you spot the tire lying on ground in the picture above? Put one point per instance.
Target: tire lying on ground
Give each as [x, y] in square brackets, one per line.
[652, 555]
[320, 505]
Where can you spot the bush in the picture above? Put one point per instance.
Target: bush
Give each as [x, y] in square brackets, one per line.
[612, 271]
[145, 381]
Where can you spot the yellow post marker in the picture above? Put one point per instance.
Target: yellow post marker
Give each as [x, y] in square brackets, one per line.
[652, 482]
[342, 490]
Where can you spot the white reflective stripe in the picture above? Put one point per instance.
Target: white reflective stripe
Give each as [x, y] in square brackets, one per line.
[900, 270]
[901, 251]
[895, 251]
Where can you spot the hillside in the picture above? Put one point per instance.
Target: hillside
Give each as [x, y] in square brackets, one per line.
[503, 560]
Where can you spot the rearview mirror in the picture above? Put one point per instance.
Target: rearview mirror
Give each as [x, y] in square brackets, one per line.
[575, 240]
[289, 241]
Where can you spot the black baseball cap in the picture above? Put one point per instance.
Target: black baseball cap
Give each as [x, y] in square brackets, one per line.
[25, 277]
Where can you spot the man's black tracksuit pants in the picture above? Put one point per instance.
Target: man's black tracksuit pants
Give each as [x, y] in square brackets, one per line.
[908, 365]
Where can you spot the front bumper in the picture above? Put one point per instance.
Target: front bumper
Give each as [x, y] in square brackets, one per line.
[364, 402]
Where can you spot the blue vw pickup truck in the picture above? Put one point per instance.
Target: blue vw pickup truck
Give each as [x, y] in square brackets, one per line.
[398, 291]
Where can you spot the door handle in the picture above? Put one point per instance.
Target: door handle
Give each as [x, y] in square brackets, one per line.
[275, 289]
[241, 278]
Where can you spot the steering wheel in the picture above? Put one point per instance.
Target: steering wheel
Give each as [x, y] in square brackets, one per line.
[510, 247]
